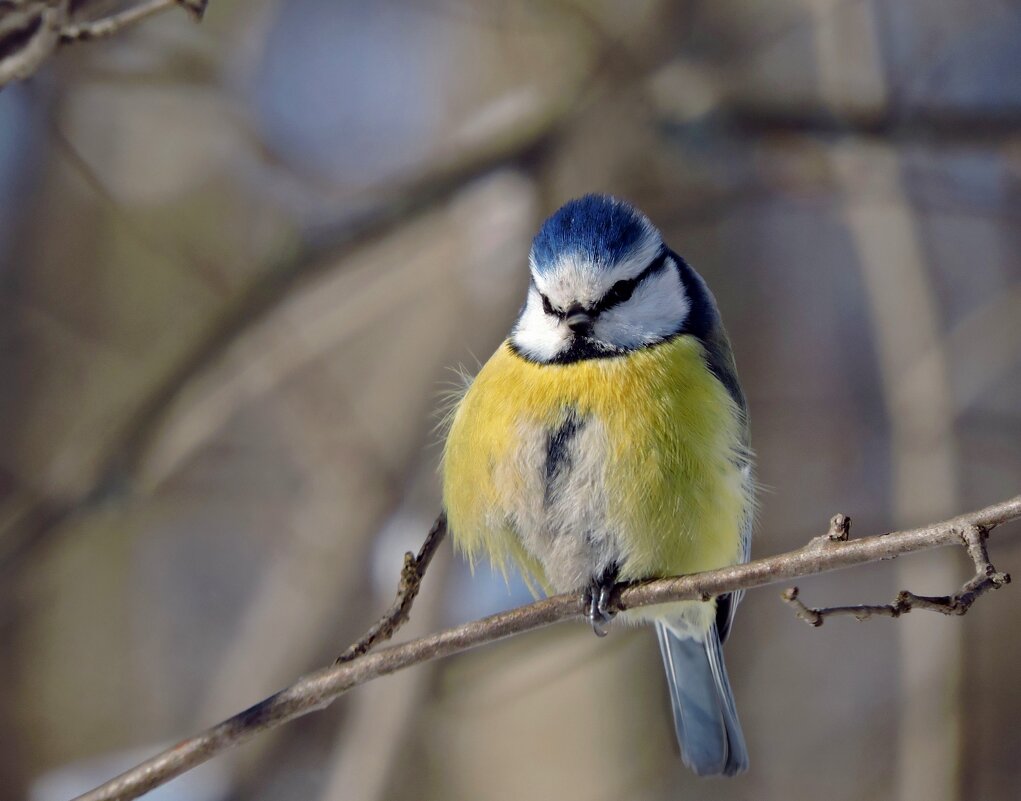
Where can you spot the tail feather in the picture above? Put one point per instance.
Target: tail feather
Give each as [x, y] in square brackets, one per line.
[705, 719]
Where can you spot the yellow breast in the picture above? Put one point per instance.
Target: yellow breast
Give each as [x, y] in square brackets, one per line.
[674, 491]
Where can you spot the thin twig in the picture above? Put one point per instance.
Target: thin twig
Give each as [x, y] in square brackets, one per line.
[30, 32]
[986, 578]
[115, 23]
[319, 689]
[407, 590]
[839, 531]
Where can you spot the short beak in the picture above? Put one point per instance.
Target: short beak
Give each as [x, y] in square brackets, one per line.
[579, 320]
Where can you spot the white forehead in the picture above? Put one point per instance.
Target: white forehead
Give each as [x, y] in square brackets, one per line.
[573, 278]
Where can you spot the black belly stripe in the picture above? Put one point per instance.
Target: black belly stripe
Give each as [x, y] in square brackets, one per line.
[558, 456]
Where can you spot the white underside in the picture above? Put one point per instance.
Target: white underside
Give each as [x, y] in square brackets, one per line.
[568, 532]
[571, 533]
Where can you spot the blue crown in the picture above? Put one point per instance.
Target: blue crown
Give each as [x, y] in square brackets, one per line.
[601, 229]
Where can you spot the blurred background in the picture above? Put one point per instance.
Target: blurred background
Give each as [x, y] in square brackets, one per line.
[241, 260]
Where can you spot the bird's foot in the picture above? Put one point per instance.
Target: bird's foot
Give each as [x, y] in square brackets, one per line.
[599, 603]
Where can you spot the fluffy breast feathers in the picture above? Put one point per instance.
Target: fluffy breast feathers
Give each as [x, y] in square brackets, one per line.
[671, 485]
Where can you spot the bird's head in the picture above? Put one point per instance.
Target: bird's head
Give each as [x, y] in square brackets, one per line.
[602, 283]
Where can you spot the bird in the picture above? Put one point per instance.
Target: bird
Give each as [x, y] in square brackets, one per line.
[605, 441]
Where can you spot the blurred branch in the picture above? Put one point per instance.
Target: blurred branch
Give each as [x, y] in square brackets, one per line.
[832, 551]
[526, 144]
[889, 124]
[520, 145]
[986, 578]
[31, 30]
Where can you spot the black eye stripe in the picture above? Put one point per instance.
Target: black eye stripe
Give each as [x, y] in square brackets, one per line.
[619, 293]
[622, 290]
[549, 308]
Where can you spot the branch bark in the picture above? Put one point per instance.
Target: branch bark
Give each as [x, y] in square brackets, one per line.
[986, 578]
[317, 690]
[411, 582]
[115, 23]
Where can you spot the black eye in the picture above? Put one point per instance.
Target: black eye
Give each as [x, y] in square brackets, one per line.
[548, 307]
[619, 293]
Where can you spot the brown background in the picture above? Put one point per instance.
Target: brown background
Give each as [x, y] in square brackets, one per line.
[239, 260]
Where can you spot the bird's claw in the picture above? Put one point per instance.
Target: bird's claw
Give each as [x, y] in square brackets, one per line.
[600, 609]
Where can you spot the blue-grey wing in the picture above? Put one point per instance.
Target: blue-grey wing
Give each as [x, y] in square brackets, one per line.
[704, 323]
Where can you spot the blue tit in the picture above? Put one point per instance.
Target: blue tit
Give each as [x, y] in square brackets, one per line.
[606, 440]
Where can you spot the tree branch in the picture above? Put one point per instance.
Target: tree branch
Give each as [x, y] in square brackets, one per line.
[108, 26]
[411, 581]
[986, 578]
[317, 690]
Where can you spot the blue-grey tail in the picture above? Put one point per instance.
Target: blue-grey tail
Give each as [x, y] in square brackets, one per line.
[705, 719]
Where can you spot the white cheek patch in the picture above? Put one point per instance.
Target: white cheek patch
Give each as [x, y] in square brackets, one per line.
[657, 309]
[539, 335]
